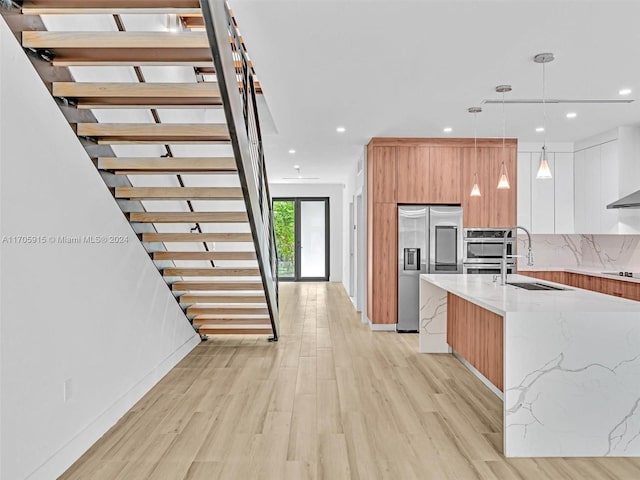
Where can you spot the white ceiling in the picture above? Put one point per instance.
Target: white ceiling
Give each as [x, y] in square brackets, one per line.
[410, 68]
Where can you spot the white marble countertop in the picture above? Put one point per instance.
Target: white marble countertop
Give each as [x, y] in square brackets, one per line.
[594, 272]
[481, 290]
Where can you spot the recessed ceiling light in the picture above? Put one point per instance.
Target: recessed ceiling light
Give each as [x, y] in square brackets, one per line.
[625, 91]
[448, 129]
[341, 129]
[292, 151]
[296, 167]
[572, 115]
[539, 129]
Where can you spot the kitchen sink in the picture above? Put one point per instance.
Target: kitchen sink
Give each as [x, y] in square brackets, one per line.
[535, 286]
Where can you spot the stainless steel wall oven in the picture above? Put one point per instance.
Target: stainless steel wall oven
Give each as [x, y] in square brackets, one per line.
[483, 249]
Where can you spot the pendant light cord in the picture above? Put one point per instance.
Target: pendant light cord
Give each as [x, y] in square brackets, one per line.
[475, 137]
[475, 146]
[544, 107]
[504, 123]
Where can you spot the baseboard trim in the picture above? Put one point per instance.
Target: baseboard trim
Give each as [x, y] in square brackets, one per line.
[382, 327]
[59, 462]
[480, 376]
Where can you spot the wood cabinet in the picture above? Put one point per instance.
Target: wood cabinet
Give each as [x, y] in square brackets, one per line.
[445, 175]
[382, 168]
[381, 234]
[550, 276]
[413, 174]
[385, 267]
[608, 286]
[429, 174]
[477, 335]
[494, 208]
[427, 171]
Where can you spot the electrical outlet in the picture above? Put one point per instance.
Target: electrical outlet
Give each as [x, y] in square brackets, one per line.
[67, 391]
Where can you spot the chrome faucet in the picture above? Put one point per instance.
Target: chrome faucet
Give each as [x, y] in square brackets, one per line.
[503, 261]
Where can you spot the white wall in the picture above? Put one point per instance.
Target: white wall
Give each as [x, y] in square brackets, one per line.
[97, 316]
[335, 192]
[353, 188]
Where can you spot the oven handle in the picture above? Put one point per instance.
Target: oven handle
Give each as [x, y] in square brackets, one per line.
[487, 240]
[488, 266]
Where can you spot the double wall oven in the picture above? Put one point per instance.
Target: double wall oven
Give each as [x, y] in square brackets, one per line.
[482, 251]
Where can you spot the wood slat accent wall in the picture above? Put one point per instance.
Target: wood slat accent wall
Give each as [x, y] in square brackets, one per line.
[477, 335]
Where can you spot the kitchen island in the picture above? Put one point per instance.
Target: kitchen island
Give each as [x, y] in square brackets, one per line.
[568, 361]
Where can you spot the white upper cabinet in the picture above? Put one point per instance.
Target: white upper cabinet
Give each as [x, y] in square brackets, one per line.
[563, 190]
[596, 185]
[524, 190]
[545, 206]
[581, 192]
[609, 186]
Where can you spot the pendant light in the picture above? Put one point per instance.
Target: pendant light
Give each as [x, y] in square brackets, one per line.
[503, 182]
[544, 171]
[475, 191]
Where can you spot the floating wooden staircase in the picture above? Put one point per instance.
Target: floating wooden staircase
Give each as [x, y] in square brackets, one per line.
[204, 219]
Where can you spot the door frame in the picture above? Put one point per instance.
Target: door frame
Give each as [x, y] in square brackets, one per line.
[352, 259]
[297, 229]
[361, 253]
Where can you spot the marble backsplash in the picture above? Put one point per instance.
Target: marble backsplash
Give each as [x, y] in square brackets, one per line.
[599, 252]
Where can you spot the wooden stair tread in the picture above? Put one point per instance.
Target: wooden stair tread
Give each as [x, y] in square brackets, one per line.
[84, 48]
[240, 330]
[199, 310]
[119, 133]
[179, 193]
[215, 286]
[205, 256]
[122, 48]
[200, 299]
[188, 217]
[211, 272]
[51, 7]
[142, 165]
[196, 21]
[204, 320]
[197, 237]
[123, 95]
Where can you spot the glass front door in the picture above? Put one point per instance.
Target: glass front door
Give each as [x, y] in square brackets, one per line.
[302, 238]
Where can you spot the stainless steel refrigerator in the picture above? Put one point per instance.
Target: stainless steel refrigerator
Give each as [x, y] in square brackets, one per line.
[429, 241]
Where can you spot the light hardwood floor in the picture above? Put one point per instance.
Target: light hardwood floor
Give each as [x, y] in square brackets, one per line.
[331, 400]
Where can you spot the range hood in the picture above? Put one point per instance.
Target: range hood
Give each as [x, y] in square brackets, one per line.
[630, 201]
